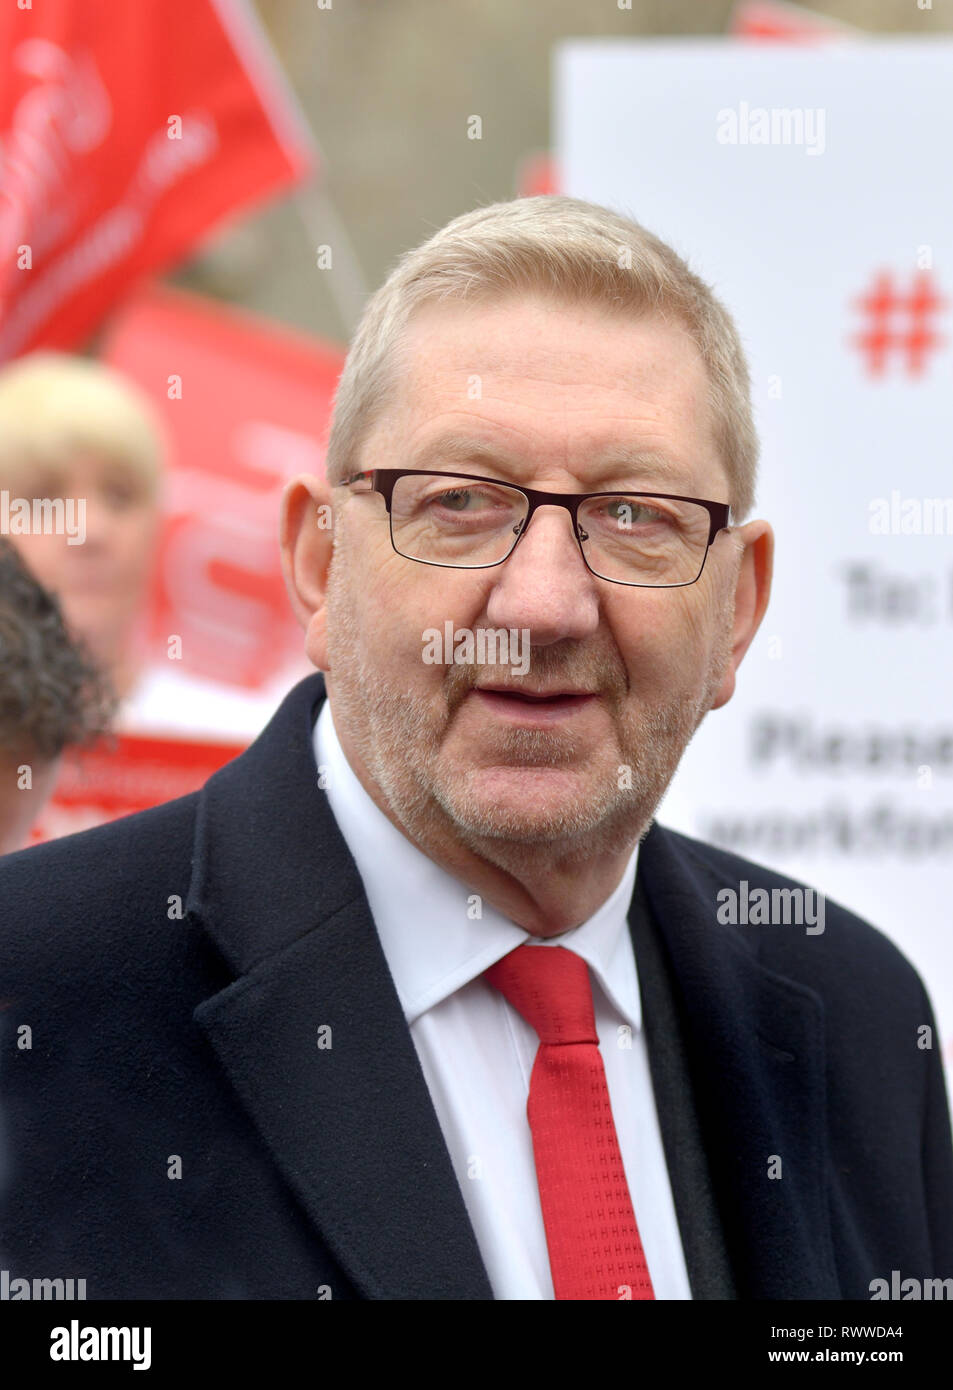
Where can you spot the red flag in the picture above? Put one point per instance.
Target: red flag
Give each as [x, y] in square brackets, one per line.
[127, 131]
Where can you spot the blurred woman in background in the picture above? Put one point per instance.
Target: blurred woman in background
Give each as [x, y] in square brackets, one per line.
[72, 428]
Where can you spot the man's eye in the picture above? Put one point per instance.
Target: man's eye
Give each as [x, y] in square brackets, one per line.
[635, 513]
[454, 501]
[469, 499]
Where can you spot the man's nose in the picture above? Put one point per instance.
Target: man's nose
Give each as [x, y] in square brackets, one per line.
[544, 585]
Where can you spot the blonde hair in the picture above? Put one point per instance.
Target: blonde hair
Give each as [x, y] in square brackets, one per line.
[552, 244]
[52, 404]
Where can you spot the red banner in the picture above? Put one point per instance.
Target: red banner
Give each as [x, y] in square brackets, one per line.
[117, 777]
[246, 405]
[128, 130]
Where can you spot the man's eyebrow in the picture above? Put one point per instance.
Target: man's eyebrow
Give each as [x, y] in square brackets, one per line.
[620, 464]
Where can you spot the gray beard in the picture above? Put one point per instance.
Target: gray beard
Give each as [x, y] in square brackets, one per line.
[398, 737]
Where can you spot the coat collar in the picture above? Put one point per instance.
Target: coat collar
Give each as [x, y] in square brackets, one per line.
[353, 1127]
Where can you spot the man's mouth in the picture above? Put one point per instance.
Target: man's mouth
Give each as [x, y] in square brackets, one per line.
[519, 693]
[524, 703]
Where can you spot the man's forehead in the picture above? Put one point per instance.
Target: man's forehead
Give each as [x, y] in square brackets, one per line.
[482, 452]
[521, 333]
[495, 385]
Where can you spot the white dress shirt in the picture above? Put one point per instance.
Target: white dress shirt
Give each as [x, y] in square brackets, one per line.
[477, 1052]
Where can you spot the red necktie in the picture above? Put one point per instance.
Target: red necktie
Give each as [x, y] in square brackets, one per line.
[593, 1240]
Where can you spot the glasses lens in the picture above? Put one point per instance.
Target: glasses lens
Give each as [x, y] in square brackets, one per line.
[447, 520]
[644, 540]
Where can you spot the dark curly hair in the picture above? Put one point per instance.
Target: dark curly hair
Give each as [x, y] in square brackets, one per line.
[52, 694]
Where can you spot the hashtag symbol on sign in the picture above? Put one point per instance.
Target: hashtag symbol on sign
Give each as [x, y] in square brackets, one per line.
[898, 325]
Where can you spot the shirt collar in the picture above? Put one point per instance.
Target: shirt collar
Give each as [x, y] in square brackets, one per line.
[433, 939]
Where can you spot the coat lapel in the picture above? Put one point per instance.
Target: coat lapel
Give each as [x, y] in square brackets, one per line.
[757, 1054]
[350, 1122]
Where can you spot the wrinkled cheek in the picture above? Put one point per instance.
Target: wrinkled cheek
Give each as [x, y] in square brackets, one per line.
[699, 643]
[362, 626]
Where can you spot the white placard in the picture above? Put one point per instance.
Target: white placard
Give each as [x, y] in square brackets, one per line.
[810, 187]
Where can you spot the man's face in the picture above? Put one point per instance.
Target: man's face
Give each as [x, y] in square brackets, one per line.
[549, 391]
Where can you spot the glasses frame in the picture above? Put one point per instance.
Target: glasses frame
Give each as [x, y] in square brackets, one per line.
[383, 480]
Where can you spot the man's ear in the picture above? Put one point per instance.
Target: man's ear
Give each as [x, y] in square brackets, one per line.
[752, 591]
[306, 546]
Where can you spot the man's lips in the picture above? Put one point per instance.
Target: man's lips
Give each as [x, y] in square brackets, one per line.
[523, 704]
[528, 693]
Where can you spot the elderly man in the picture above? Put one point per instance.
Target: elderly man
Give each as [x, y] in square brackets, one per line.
[415, 1000]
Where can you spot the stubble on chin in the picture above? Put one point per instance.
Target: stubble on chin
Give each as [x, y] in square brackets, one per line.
[400, 737]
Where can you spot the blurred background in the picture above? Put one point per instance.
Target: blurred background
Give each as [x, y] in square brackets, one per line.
[387, 86]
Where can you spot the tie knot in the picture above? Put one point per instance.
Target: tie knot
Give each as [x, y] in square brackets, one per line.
[549, 986]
